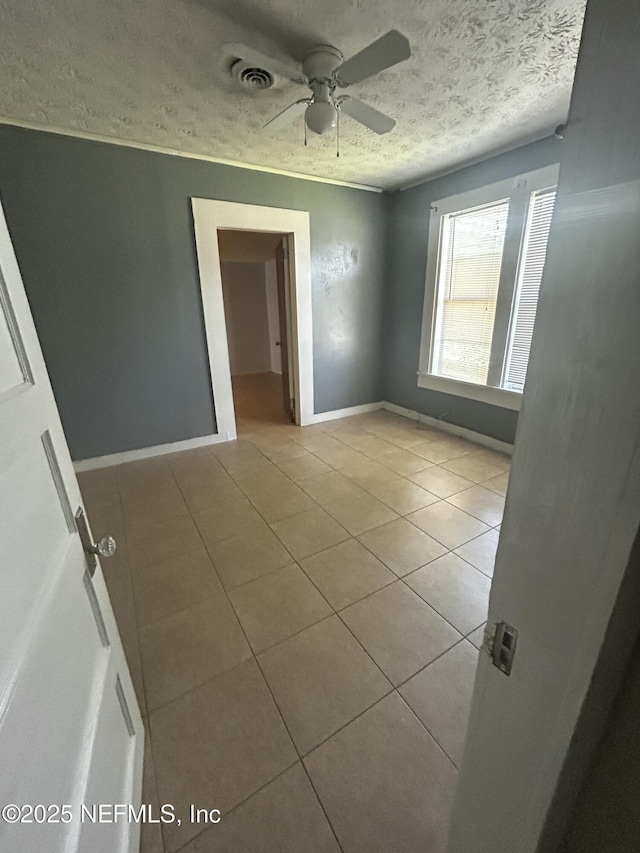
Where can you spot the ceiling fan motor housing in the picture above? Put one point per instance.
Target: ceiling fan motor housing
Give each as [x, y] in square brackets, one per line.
[322, 62]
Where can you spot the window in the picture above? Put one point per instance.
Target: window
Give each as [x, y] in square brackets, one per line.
[486, 257]
[525, 303]
[469, 277]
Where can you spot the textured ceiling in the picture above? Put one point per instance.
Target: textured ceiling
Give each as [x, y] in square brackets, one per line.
[484, 75]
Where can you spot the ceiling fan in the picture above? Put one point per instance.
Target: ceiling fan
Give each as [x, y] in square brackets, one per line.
[324, 71]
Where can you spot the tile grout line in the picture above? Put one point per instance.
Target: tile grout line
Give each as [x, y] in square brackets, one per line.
[321, 804]
[237, 620]
[341, 728]
[464, 559]
[133, 604]
[355, 536]
[175, 480]
[146, 726]
[477, 517]
[295, 561]
[295, 746]
[268, 648]
[436, 658]
[334, 434]
[391, 692]
[402, 477]
[330, 435]
[298, 562]
[428, 731]
[462, 634]
[394, 688]
[255, 659]
[200, 684]
[371, 459]
[301, 756]
[237, 806]
[277, 706]
[337, 613]
[276, 465]
[334, 611]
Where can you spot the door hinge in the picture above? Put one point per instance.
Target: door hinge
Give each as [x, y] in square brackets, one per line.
[500, 644]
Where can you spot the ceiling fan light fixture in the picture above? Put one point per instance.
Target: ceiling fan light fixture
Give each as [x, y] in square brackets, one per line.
[321, 117]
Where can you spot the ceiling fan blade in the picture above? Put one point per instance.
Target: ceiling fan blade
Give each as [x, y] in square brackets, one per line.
[260, 60]
[366, 115]
[288, 114]
[386, 51]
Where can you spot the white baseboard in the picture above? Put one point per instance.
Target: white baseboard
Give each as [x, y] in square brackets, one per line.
[205, 440]
[345, 413]
[463, 432]
[147, 452]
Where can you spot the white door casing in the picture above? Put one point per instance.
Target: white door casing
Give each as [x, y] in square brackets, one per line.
[70, 728]
[209, 215]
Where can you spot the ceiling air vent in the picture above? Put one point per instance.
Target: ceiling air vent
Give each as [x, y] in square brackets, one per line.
[251, 77]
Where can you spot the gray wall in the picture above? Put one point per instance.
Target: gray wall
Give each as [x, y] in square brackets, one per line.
[104, 239]
[407, 233]
[605, 751]
[244, 289]
[607, 818]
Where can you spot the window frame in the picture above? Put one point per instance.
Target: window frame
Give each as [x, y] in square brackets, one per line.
[518, 190]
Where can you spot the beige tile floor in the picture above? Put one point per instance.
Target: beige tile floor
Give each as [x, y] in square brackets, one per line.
[301, 610]
[258, 399]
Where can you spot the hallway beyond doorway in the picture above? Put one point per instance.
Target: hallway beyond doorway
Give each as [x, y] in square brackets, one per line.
[257, 399]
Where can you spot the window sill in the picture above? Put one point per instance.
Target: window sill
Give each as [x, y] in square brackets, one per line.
[482, 393]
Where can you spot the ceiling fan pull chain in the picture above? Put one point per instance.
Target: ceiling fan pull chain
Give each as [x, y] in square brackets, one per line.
[304, 122]
[337, 131]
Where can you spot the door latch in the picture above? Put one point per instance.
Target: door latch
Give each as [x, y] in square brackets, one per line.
[106, 547]
[503, 647]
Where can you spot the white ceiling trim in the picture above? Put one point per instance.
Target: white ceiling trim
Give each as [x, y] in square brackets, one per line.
[158, 149]
[504, 149]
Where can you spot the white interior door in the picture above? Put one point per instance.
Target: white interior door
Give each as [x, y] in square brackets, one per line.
[573, 507]
[70, 728]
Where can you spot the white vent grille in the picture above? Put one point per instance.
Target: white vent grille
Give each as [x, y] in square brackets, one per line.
[250, 76]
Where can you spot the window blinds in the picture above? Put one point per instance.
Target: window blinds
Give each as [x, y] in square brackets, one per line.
[530, 272]
[468, 280]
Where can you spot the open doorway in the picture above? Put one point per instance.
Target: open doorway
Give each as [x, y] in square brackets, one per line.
[211, 216]
[257, 310]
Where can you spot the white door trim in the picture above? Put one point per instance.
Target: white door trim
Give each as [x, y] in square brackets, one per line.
[208, 216]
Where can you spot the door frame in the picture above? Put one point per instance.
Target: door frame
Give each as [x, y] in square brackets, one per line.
[211, 215]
